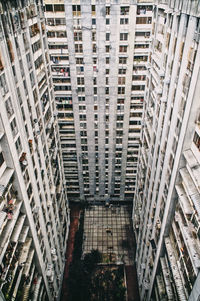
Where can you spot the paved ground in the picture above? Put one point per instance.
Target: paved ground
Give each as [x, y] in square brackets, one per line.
[74, 222]
[110, 231]
[131, 281]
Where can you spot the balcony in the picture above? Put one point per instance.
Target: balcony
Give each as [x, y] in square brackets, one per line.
[12, 215]
[17, 229]
[167, 280]
[175, 271]
[190, 241]
[183, 200]
[5, 180]
[37, 288]
[190, 188]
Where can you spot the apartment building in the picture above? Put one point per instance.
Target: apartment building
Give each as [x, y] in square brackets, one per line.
[33, 204]
[166, 205]
[98, 56]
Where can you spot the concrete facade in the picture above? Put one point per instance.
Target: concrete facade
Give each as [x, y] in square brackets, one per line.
[107, 47]
[33, 203]
[124, 125]
[166, 217]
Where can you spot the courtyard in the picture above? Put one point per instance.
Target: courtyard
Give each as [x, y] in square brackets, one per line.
[109, 229]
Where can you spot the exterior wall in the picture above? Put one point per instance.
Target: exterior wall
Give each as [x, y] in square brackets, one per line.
[169, 119]
[107, 95]
[64, 77]
[33, 202]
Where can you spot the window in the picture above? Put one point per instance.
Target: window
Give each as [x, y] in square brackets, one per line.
[79, 60]
[122, 60]
[93, 21]
[122, 71]
[94, 48]
[139, 77]
[78, 36]
[81, 98]
[3, 84]
[32, 78]
[38, 62]
[82, 117]
[141, 46]
[76, 9]
[142, 9]
[107, 71]
[59, 7]
[107, 21]
[123, 48]
[60, 21]
[138, 88]
[145, 34]
[120, 101]
[14, 129]
[93, 36]
[19, 95]
[123, 21]
[78, 48]
[25, 87]
[107, 10]
[139, 58]
[143, 20]
[36, 46]
[124, 10]
[121, 90]
[107, 60]
[34, 30]
[83, 140]
[1, 159]
[9, 107]
[107, 36]
[62, 88]
[51, 34]
[93, 10]
[196, 140]
[106, 90]
[14, 73]
[123, 36]
[61, 34]
[121, 80]
[81, 89]
[107, 48]
[80, 80]
[18, 146]
[120, 118]
[49, 7]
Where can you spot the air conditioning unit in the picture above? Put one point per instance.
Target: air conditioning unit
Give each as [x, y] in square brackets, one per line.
[196, 36]
[159, 91]
[167, 81]
[53, 251]
[161, 73]
[163, 99]
[176, 12]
